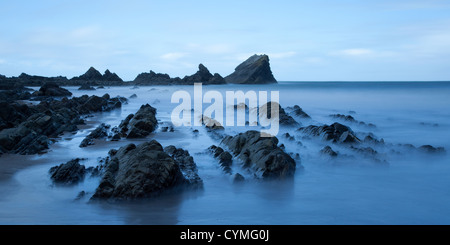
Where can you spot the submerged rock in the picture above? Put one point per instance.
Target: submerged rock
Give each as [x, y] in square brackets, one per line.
[86, 87]
[68, 173]
[255, 70]
[224, 157]
[284, 118]
[142, 171]
[432, 149]
[327, 150]
[261, 154]
[298, 111]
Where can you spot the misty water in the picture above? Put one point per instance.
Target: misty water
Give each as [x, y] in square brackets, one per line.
[406, 187]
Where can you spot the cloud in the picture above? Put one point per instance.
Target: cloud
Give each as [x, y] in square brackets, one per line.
[281, 55]
[2, 61]
[172, 56]
[354, 52]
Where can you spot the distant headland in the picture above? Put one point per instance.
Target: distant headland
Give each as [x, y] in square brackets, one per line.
[255, 70]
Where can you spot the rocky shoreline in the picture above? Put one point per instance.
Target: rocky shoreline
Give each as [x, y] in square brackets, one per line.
[255, 70]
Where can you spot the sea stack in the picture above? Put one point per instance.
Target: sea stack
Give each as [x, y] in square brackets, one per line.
[255, 70]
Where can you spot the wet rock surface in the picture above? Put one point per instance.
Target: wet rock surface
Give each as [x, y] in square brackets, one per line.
[261, 155]
[255, 70]
[100, 132]
[336, 132]
[68, 173]
[143, 171]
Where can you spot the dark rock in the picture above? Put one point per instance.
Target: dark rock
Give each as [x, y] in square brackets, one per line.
[142, 171]
[255, 70]
[100, 132]
[431, 149]
[133, 96]
[186, 164]
[211, 124]
[52, 89]
[284, 118]
[238, 178]
[224, 157]
[327, 150]
[336, 132]
[32, 133]
[68, 173]
[143, 122]
[203, 76]
[86, 87]
[298, 111]
[261, 154]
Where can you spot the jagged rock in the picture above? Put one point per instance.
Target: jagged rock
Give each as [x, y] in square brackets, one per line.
[153, 78]
[186, 164]
[203, 76]
[327, 150]
[284, 118]
[351, 119]
[255, 70]
[298, 111]
[431, 149]
[141, 171]
[68, 173]
[336, 132]
[133, 96]
[143, 122]
[48, 120]
[100, 132]
[52, 89]
[224, 157]
[261, 154]
[94, 77]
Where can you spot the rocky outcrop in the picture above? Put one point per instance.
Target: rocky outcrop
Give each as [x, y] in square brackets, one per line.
[261, 155]
[142, 123]
[284, 118]
[298, 111]
[255, 70]
[141, 171]
[328, 151]
[68, 173]
[35, 126]
[203, 76]
[336, 132]
[94, 77]
[100, 132]
[52, 89]
[349, 118]
[224, 157]
[187, 165]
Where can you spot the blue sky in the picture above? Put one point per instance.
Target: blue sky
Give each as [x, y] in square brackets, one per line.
[306, 40]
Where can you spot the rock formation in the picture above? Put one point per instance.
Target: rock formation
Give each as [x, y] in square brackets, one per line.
[255, 70]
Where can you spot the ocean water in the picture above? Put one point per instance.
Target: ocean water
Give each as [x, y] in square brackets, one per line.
[406, 187]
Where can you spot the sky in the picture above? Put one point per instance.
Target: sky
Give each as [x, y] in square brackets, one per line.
[320, 40]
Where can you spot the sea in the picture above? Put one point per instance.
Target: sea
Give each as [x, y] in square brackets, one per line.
[400, 186]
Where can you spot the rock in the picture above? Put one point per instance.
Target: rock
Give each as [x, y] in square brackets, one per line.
[298, 111]
[255, 70]
[133, 96]
[224, 157]
[93, 76]
[186, 164]
[31, 133]
[52, 89]
[289, 137]
[327, 150]
[143, 122]
[431, 149]
[141, 171]
[86, 87]
[100, 132]
[261, 154]
[68, 173]
[336, 132]
[351, 119]
[284, 118]
[238, 178]
[203, 76]
[211, 124]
